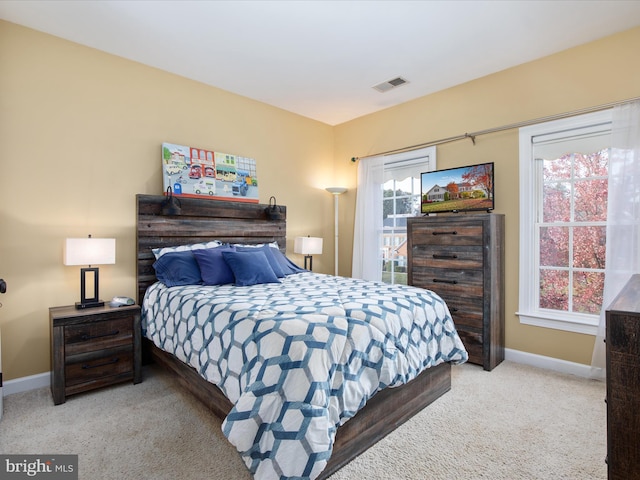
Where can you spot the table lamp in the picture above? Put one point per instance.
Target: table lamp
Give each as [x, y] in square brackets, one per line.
[89, 251]
[308, 246]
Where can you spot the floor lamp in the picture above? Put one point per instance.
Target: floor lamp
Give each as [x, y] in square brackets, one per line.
[336, 191]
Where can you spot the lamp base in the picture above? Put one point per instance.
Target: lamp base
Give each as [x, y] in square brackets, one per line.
[83, 305]
[310, 258]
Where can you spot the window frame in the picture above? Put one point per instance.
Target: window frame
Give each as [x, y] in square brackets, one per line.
[529, 190]
[413, 159]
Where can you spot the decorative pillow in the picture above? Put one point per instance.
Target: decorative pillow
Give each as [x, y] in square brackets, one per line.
[287, 266]
[250, 267]
[178, 268]
[213, 268]
[275, 265]
[158, 252]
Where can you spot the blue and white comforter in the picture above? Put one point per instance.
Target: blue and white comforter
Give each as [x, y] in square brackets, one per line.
[298, 359]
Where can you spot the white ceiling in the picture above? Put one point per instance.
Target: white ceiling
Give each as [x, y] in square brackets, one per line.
[320, 58]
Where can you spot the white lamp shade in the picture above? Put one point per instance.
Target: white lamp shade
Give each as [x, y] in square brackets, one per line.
[89, 251]
[308, 245]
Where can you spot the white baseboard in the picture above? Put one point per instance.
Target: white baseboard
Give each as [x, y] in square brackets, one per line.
[549, 363]
[24, 384]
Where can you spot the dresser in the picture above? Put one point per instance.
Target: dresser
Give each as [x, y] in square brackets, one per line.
[461, 258]
[623, 383]
[92, 348]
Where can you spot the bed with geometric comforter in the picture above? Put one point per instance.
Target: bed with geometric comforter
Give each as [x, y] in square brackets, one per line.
[299, 358]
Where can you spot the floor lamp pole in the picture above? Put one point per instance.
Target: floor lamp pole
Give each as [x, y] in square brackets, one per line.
[336, 191]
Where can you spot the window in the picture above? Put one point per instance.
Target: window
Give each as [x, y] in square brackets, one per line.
[563, 215]
[401, 199]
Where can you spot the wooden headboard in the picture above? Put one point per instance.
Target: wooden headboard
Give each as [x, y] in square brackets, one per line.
[200, 220]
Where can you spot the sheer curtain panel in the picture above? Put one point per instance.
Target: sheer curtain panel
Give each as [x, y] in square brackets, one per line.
[623, 216]
[367, 263]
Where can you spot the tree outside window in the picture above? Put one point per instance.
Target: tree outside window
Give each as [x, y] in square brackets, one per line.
[563, 219]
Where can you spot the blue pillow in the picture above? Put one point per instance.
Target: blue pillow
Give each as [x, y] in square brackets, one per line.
[178, 268]
[287, 266]
[213, 268]
[275, 265]
[250, 267]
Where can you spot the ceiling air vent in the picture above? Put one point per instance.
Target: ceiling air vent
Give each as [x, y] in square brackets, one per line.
[389, 84]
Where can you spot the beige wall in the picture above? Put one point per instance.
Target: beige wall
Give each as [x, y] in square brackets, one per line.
[590, 75]
[80, 135]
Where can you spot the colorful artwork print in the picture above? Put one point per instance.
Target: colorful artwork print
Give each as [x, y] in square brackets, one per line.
[197, 172]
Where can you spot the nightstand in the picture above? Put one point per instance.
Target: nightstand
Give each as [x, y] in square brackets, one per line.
[93, 348]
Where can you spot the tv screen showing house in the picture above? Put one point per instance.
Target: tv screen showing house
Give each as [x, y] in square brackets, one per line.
[457, 189]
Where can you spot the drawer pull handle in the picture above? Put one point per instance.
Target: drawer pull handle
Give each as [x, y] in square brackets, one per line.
[453, 309]
[110, 362]
[91, 337]
[444, 257]
[445, 233]
[439, 280]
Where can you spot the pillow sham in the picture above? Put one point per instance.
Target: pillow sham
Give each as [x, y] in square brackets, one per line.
[287, 266]
[275, 265]
[250, 267]
[178, 268]
[158, 252]
[213, 268]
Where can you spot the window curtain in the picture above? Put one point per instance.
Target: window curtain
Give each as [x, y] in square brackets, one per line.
[623, 217]
[368, 220]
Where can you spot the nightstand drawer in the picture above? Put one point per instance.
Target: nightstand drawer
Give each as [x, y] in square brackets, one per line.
[93, 336]
[97, 365]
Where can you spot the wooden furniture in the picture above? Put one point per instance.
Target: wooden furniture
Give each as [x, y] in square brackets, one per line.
[202, 220]
[92, 348]
[461, 258]
[623, 383]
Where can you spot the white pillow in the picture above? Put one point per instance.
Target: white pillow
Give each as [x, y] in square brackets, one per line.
[158, 252]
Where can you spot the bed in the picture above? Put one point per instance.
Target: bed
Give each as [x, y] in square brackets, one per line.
[366, 413]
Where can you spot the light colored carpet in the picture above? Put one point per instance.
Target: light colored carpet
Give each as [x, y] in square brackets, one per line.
[516, 422]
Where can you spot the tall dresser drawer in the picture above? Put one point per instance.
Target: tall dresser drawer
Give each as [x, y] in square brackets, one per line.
[455, 281]
[441, 256]
[473, 344]
[466, 311]
[448, 234]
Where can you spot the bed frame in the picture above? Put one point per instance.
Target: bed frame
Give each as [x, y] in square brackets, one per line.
[241, 222]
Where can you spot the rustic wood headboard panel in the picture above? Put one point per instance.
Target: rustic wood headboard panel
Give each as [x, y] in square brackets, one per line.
[200, 220]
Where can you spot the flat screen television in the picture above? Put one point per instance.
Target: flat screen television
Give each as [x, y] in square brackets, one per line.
[458, 189]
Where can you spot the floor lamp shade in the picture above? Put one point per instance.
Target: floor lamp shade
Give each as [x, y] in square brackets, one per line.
[89, 251]
[308, 246]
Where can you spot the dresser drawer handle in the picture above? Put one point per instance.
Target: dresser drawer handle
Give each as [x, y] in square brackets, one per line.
[438, 280]
[110, 362]
[444, 257]
[453, 309]
[91, 337]
[445, 233]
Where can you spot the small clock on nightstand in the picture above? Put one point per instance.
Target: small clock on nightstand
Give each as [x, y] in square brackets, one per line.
[92, 348]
